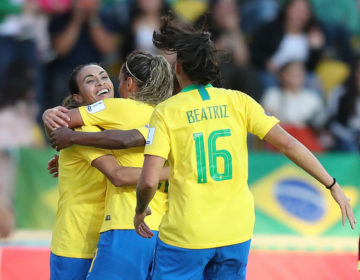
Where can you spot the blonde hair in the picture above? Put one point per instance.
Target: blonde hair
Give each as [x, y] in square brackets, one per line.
[152, 74]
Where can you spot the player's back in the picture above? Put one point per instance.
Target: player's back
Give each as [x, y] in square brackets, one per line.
[207, 129]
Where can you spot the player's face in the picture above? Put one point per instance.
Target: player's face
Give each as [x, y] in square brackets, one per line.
[94, 84]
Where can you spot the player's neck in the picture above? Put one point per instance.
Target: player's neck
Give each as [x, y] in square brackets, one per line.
[184, 81]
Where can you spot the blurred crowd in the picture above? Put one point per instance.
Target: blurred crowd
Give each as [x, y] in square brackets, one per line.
[299, 58]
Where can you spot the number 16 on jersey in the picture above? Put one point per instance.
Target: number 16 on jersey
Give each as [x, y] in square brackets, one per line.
[213, 154]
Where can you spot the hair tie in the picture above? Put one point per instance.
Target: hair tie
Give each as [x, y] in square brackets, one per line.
[127, 68]
[207, 35]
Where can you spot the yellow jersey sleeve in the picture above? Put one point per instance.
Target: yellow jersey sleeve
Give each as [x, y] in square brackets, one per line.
[103, 111]
[158, 140]
[258, 121]
[116, 113]
[95, 114]
[91, 153]
[144, 131]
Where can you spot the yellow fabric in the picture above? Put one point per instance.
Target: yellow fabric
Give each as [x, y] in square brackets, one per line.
[216, 209]
[144, 131]
[332, 73]
[38, 136]
[81, 202]
[190, 10]
[120, 202]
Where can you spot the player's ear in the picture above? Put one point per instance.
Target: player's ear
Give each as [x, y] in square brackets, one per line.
[131, 84]
[78, 98]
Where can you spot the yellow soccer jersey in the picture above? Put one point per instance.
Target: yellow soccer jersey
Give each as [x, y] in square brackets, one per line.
[81, 202]
[202, 131]
[120, 203]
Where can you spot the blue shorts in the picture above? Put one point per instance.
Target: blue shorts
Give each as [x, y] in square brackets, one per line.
[228, 262]
[123, 254]
[64, 268]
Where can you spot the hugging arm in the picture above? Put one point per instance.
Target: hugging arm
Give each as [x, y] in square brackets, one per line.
[58, 120]
[121, 175]
[59, 116]
[108, 139]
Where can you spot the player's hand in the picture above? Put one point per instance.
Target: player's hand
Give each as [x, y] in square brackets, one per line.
[140, 226]
[7, 218]
[61, 138]
[344, 203]
[56, 117]
[53, 166]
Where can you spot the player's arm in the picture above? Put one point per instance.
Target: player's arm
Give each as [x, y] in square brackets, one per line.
[121, 175]
[59, 116]
[145, 192]
[108, 139]
[301, 156]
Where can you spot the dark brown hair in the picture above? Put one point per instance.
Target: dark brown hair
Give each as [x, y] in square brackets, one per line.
[194, 48]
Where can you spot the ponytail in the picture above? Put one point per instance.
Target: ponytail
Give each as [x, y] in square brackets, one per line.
[152, 74]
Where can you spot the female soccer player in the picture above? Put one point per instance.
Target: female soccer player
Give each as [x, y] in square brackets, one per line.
[145, 80]
[202, 131]
[81, 187]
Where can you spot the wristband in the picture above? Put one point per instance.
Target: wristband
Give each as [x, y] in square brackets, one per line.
[333, 184]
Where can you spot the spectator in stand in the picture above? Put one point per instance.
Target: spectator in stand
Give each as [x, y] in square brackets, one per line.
[18, 129]
[21, 23]
[293, 35]
[16, 33]
[299, 109]
[223, 20]
[144, 20]
[344, 107]
[256, 12]
[78, 36]
[340, 21]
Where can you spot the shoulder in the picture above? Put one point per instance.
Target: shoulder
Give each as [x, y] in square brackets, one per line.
[227, 93]
[114, 103]
[170, 102]
[118, 101]
[125, 102]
